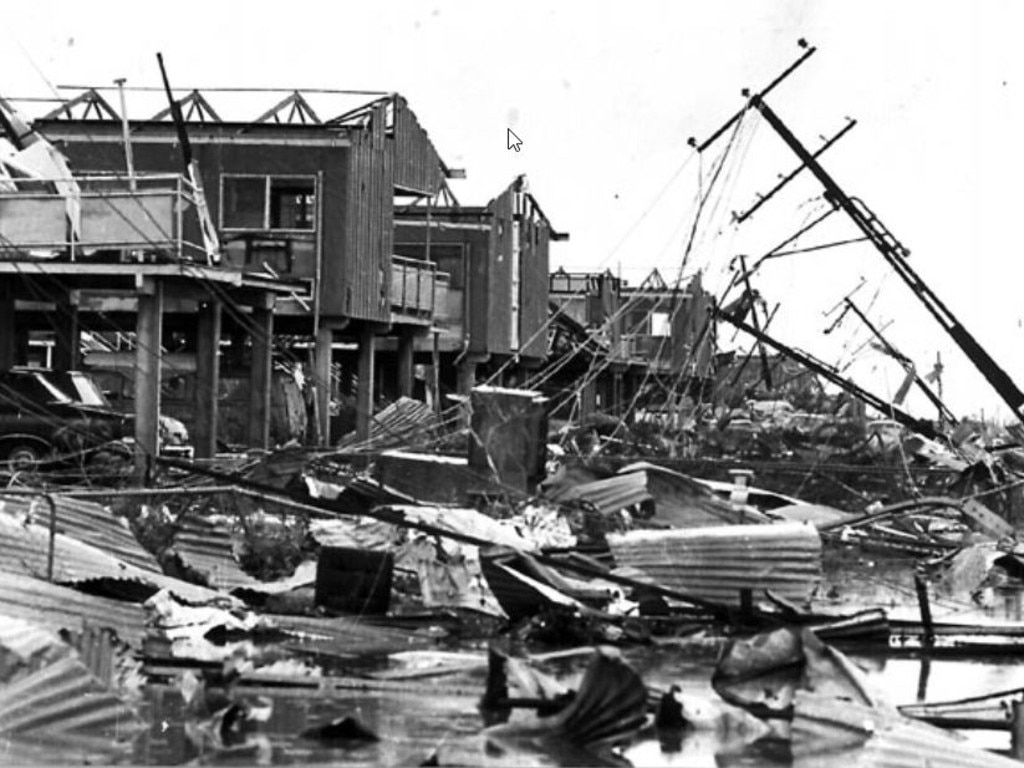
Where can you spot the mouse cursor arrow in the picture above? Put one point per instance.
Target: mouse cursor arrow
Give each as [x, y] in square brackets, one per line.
[514, 142]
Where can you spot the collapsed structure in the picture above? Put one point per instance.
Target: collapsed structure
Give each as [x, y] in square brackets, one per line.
[450, 438]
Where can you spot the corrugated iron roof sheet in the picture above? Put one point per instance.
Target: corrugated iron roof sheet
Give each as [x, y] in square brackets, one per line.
[24, 548]
[608, 495]
[208, 547]
[56, 608]
[715, 563]
[65, 706]
[92, 523]
[346, 636]
[405, 423]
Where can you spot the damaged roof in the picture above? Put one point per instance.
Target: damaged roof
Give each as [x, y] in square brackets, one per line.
[85, 521]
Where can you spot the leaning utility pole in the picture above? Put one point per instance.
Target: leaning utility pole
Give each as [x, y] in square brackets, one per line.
[945, 415]
[887, 245]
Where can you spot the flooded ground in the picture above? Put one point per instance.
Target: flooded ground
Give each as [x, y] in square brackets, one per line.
[414, 718]
[427, 714]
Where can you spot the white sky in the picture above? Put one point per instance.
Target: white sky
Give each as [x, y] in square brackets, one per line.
[604, 96]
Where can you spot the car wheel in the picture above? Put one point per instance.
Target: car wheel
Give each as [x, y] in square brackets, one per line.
[23, 457]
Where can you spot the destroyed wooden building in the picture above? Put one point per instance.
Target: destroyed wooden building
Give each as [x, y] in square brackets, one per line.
[497, 260]
[300, 204]
[649, 344]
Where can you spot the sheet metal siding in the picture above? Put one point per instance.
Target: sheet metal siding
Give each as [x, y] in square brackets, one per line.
[417, 165]
[688, 320]
[533, 286]
[499, 276]
[364, 277]
[88, 522]
[716, 562]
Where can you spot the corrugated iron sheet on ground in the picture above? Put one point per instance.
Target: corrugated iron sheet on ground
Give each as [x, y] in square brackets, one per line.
[608, 495]
[92, 523]
[344, 636]
[57, 608]
[404, 423]
[24, 548]
[715, 563]
[64, 706]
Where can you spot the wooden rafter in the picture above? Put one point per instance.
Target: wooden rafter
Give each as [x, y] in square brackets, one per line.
[194, 108]
[298, 108]
[93, 105]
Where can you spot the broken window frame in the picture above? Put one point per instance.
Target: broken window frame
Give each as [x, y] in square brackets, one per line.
[267, 221]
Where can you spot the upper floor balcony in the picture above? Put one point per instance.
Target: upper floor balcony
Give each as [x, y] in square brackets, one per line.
[107, 217]
[419, 291]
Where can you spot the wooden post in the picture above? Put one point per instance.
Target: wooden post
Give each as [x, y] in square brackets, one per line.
[405, 362]
[260, 373]
[208, 328]
[928, 639]
[149, 338]
[364, 394]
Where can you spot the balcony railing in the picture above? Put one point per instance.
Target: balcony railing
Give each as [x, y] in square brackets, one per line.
[145, 214]
[418, 290]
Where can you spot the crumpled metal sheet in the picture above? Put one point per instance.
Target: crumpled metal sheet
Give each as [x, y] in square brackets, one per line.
[610, 494]
[403, 424]
[208, 547]
[57, 608]
[82, 520]
[55, 701]
[24, 548]
[715, 563]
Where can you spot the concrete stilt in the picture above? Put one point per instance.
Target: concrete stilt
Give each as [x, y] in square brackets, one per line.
[149, 338]
[208, 330]
[322, 372]
[68, 338]
[405, 362]
[364, 395]
[260, 374]
[8, 343]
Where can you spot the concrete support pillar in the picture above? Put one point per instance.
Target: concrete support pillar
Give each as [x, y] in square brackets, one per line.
[322, 382]
[67, 350]
[208, 328]
[364, 395]
[148, 340]
[406, 340]
[260, 374]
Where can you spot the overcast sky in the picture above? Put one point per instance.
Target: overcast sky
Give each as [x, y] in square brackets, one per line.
[604, 97]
